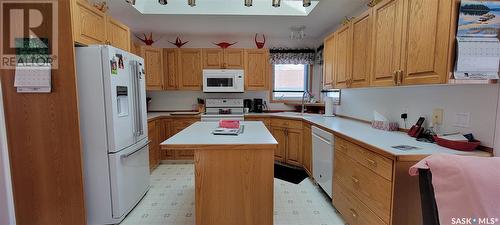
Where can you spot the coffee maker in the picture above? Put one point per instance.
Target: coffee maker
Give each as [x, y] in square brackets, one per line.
[258, 105]
[248, 104]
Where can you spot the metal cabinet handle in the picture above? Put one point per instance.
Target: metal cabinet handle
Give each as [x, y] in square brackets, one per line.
[355, 180]
[395, 77]
[400, 77]
[372, 162]
[354, 213]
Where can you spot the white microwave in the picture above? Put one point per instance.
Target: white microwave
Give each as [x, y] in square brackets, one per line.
[216, 80]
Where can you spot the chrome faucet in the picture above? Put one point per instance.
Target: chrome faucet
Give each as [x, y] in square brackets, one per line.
[306, 92]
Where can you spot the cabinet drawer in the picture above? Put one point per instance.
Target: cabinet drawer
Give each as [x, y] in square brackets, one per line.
[371, 189]
[266, 121]
[294, 124]
[374, 162]
[353, 211]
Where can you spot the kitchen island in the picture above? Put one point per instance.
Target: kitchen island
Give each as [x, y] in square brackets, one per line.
[234, 175]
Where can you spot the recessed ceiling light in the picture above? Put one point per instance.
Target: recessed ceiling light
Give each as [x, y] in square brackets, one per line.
[248, 3]
[162, 2]
[192, 3]
[276, 3]
[306, 3]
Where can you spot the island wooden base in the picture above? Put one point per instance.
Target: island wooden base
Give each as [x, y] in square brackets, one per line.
[234, 185]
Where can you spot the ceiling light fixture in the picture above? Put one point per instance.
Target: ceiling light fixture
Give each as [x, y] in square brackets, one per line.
[192, 3]
[306, 3]
[297, 32]
[162, 2]
[248, 3]
[276, 3]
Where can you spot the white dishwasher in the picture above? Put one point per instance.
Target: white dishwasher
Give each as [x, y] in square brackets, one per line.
[322, 148]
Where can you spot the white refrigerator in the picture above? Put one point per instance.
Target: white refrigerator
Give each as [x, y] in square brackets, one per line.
[113, 126]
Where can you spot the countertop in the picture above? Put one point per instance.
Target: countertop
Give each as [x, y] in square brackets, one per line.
[364, 134]
[200, 134]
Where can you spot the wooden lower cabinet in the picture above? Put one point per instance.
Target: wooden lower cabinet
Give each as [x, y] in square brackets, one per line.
[372, 187]
[154, 144]
[307, 148]
[179, 124]
[288, 133]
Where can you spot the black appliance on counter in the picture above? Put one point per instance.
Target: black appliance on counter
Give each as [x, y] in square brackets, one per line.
[248, 104]
[258, 105]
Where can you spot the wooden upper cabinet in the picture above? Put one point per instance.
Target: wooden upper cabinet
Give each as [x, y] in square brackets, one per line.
[328, 61]
[234, 59]
[361, 48]
[118, 34]
[386, 42]
[153, 65]
[342, 57]
[135, 48]
[216, 58]
[212, 58]
[89, 24]
[426, 36]
[190, 69]
[170, 68]
[257, 68]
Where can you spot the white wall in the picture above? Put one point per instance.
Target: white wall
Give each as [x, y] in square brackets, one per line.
[6, 201]
[186, 100]
[479, 100]
[196, 41]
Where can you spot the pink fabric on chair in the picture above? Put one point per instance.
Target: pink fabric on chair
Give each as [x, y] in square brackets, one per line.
[230, 124]
[464, 187]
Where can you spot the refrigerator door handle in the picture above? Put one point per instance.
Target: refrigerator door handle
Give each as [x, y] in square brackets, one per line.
[138, 149]
[136, 103]
[138, 97]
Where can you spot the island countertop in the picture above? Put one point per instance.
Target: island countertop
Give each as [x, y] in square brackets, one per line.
[200, 135]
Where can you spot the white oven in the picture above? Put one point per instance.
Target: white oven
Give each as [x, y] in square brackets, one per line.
[223, 80]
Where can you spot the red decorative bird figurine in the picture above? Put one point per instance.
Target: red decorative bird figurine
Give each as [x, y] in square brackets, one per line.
[178, 42]
[260, 44]
[224, 44]
[147, 40]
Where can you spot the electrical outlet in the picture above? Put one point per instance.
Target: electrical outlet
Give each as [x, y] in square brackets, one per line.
[437, 116]
[462, 120]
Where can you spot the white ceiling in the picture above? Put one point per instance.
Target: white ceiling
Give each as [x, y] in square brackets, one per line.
[327, 15]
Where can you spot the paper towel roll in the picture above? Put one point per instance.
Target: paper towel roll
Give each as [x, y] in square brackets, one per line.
[329, 108]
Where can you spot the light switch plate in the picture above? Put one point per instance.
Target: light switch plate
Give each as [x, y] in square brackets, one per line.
[462, 120]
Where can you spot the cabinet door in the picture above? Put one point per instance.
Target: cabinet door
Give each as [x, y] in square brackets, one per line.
[234, 58]
[213, 58]
[89, 23]
[190, 69]
[328, 61]
[135, 48]
[170, 65]
[386, 42]
[426, 36]
[256, 69]
[294, 147]
[118, 34]
[153, 145]
[280, 136]
[361, 46]
[342, 57]
[153, 65]
[307, 148]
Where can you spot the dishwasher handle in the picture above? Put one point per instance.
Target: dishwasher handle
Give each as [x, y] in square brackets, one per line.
[329, 142]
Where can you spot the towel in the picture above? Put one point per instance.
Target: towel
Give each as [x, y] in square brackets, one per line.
[466, 188]
[229, 124]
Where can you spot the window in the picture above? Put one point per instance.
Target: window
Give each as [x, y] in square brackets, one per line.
[290, 81]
